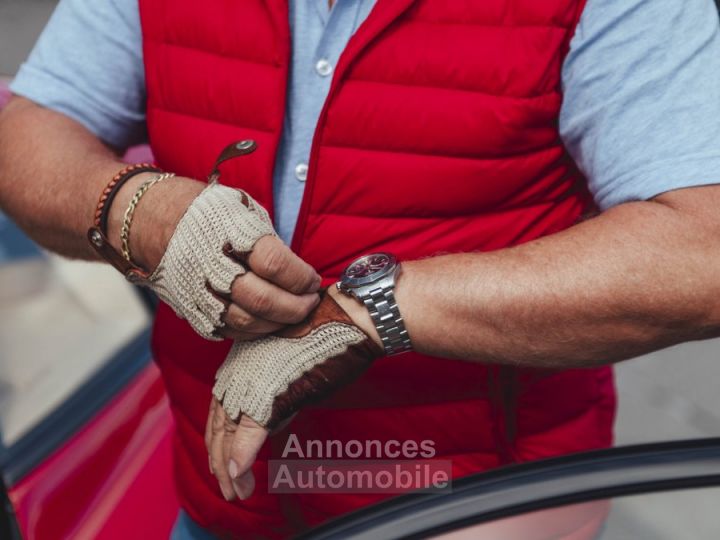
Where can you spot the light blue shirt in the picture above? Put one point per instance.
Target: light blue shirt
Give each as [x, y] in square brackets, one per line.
[640, 116]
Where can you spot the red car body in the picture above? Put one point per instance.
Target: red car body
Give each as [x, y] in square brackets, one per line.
[112, 479]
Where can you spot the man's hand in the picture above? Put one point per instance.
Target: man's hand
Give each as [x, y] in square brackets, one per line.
[264, 290]
[263, 383]
[232, 448]
[637, 278]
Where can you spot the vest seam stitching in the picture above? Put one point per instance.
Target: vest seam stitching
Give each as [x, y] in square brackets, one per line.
[525, 154]
[455, 217]
[224, 55]
[538, 97]
[502, 27]
[208, 119]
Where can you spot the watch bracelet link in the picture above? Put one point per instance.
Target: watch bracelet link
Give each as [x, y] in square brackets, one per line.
[380, 303]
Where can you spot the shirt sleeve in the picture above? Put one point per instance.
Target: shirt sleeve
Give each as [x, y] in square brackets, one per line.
[87, 64]
[641, 109]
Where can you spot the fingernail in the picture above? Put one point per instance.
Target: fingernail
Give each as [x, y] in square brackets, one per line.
[239, 492]
[244, 486]
[228, 496]
[233, 469]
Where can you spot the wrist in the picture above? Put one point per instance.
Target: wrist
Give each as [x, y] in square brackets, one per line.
[120, 204]
[155, 218]
[357, 311]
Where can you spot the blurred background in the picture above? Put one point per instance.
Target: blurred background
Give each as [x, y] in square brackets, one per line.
[62, 322]
[85, 310]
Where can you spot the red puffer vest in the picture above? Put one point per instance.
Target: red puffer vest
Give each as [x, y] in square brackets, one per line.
[439, 134]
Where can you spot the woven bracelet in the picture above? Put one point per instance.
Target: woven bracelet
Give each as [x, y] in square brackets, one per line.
[111, 190]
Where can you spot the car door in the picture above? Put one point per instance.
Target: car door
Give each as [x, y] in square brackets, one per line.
[663, 491]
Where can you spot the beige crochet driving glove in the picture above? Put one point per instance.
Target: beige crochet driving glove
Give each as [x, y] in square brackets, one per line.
[221, 225]
[272, 378]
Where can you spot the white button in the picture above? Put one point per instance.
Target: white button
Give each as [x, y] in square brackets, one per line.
[301, 171]
[323, 67]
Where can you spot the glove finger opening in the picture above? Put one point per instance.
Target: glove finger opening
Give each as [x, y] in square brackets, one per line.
[222, 273]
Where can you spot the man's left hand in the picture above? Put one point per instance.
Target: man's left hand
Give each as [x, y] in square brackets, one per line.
[263, 383]
[241, 440]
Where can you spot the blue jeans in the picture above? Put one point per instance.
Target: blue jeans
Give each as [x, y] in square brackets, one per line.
[187, 529]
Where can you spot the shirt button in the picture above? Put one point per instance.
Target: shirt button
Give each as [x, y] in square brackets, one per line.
[323, 67]
[301, 170]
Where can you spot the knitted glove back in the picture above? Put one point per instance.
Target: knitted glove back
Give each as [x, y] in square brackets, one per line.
[271, 378]
[221, 225]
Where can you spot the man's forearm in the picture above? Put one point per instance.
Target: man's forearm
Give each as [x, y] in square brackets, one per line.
[52, 171]
[637, 278]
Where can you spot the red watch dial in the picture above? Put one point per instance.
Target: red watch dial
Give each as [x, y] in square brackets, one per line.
[368, 266]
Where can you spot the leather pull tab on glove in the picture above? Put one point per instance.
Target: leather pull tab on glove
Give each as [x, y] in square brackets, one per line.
[272, 378]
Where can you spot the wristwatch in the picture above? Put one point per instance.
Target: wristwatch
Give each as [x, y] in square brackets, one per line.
[371, 279]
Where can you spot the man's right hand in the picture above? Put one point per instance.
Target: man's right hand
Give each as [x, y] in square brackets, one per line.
[260, 292]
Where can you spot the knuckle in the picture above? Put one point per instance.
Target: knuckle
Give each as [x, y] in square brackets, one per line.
[229, 426]
[217, 423]
[239, 288]
[311, 276]
[259, 302]
[303, 279]
[275, 262]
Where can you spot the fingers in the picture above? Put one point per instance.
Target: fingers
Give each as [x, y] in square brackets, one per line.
[258, 299]
[240, 325]
[273, 260]
[245, 444]
[244, 485]
[209, 432]
[227, 443]
[218, 462]
[232, 449]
